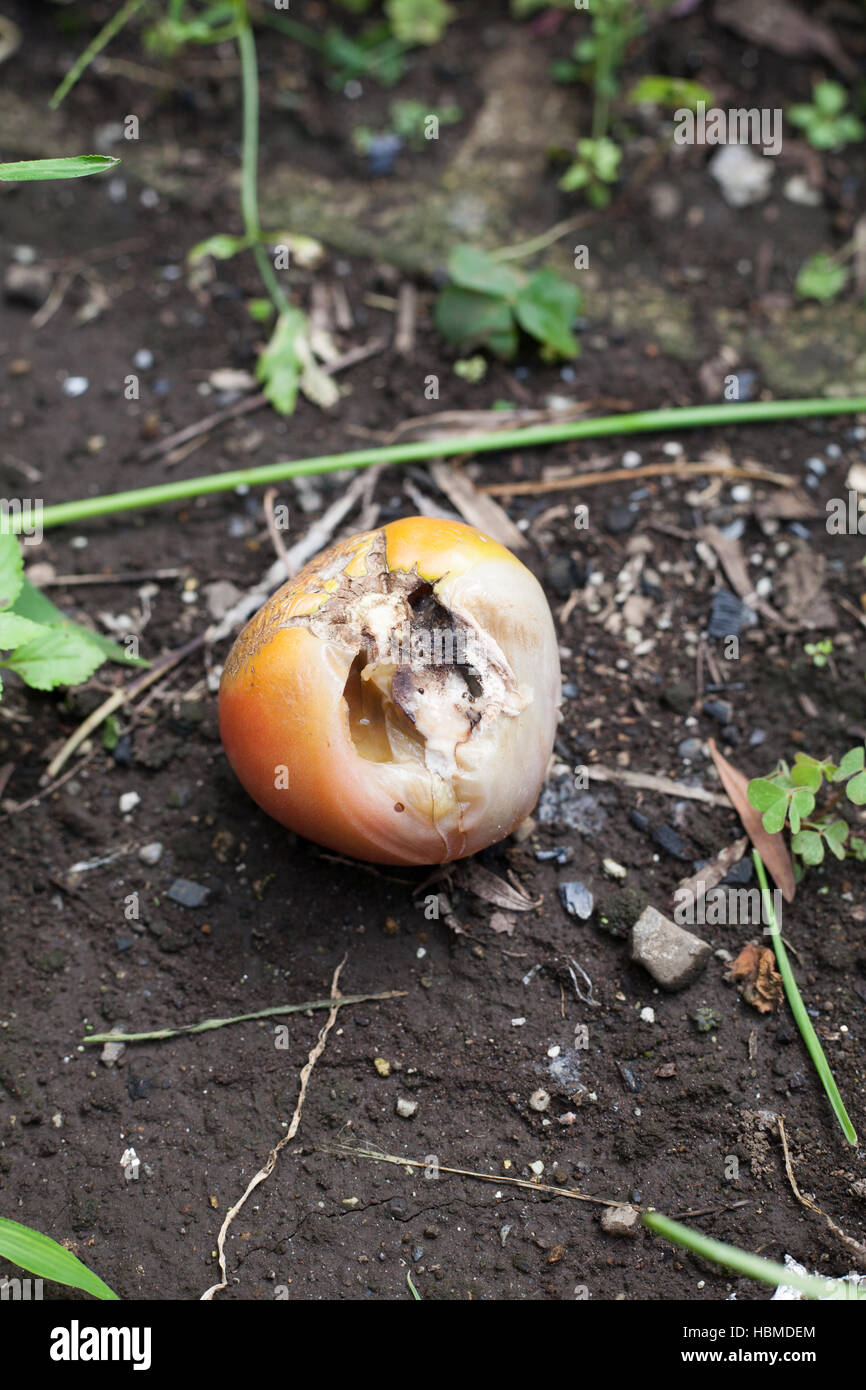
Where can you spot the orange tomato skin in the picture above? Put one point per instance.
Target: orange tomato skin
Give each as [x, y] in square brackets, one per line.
[285, 725]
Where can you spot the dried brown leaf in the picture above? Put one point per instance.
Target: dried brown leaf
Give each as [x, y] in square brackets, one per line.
[771, 848]
[786, 29]
[493, 889]
[756, 977]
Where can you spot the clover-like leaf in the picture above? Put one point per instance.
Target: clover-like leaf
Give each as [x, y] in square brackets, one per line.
[856, 789]
[809, 845]
[806, 774]
[836, 833]
[764, 794]
[801, 805]
[852, 762]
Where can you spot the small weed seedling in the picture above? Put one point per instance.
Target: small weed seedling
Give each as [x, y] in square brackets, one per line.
[825, 122]
[36, 641]
[487, 303]
[789, 795]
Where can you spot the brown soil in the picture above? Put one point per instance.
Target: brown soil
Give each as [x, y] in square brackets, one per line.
[660, 1107]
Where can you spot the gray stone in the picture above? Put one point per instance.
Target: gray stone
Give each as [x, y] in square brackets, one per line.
[672, 956]
[187, 893]
[621, 1221]
[576, 899]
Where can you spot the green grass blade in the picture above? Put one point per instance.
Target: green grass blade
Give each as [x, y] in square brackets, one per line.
[637, 422]
[104, 37]
[42, 1256]
[75, 167]
[753, 1266]
[798, 1008]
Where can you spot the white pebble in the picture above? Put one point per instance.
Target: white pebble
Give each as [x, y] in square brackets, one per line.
[741, 492]
[631, 459]
[406, 1108]
[537, 1167]
[128, 802]
[75, 385]
[647, 1015]
[539, 1100]
[518, 1022]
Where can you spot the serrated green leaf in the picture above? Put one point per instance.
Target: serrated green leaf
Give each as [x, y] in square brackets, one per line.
[546, 307]
[856, 789]
[32, 603]
[475, 320]
[11, 568]
[809, 845]
[58, 656]
[474, 269]
[764, 795]
[15, 631]
[75, 167]
[42, 1256]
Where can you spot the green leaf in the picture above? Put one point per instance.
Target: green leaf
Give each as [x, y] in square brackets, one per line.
[15, 631]
[418, 21]
[279, 366]
[801, 805]
[58, 656]
[836, 833]
[806, 775]
[820, 278]
[774, 819]
[42, 1256]
[674, 92]
[31, 603]
[764, 795]
[475, 320]
[222, 247]
[473, 269]
[11, 568]
[856, 789]
[829, 97]
[809, 845]
[546, 308]
[76, 167]
[852, 762]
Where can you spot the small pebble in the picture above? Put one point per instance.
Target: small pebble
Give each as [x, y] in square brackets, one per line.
[648, 1015]
[75, 385]
[741, 492]
[576, 899]
[631, 459]
[537, 1167]
[539, 1100]
[406, 1108]
[143, 359]
[150, 854]
[128, 802]
[614, 870]
[621, 1221]
[187, 893]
